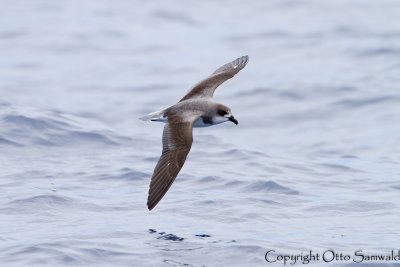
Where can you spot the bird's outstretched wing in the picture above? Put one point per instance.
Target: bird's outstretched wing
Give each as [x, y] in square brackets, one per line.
[207, 86]
[177, 141]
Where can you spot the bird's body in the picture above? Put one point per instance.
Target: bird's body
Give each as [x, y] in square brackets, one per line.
[189, 108]
[195, 109]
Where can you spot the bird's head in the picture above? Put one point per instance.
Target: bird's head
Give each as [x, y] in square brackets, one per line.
[222, 114]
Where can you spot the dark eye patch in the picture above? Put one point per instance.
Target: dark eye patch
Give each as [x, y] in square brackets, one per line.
[222, 112]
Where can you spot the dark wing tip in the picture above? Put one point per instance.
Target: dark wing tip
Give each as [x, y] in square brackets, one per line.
[154, 198]
[150, 206]
[207, 86]
[240, 62]
[244, 58]
[234, 66]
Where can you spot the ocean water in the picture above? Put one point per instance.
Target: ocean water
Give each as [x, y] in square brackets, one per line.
[312, 165]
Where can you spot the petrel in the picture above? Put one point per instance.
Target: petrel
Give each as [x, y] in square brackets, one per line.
[196, 109]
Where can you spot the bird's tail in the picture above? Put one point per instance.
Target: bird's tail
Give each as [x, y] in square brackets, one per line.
[155, 116]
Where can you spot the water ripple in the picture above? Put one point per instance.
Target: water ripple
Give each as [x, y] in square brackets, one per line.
[21, 127]
[270, 187]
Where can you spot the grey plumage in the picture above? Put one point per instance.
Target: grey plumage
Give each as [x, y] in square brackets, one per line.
[206, 87]
[195, 109]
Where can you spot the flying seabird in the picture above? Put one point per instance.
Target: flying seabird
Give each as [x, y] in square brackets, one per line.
[195, 109]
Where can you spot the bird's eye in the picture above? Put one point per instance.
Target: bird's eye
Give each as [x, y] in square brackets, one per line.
[222, 112]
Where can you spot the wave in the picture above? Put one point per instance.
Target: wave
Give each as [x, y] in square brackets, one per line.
[126, 174]
[42, 200]
[361, 102]
[65, 252]
[28, 127]
[270, 187]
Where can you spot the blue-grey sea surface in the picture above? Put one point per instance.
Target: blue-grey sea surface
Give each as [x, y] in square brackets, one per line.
[312, 165]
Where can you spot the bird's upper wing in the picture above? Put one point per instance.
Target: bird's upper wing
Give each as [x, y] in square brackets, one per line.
[177, 141]
[206, 87]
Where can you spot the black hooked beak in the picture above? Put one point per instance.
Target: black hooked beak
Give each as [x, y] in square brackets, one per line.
[232, 119]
